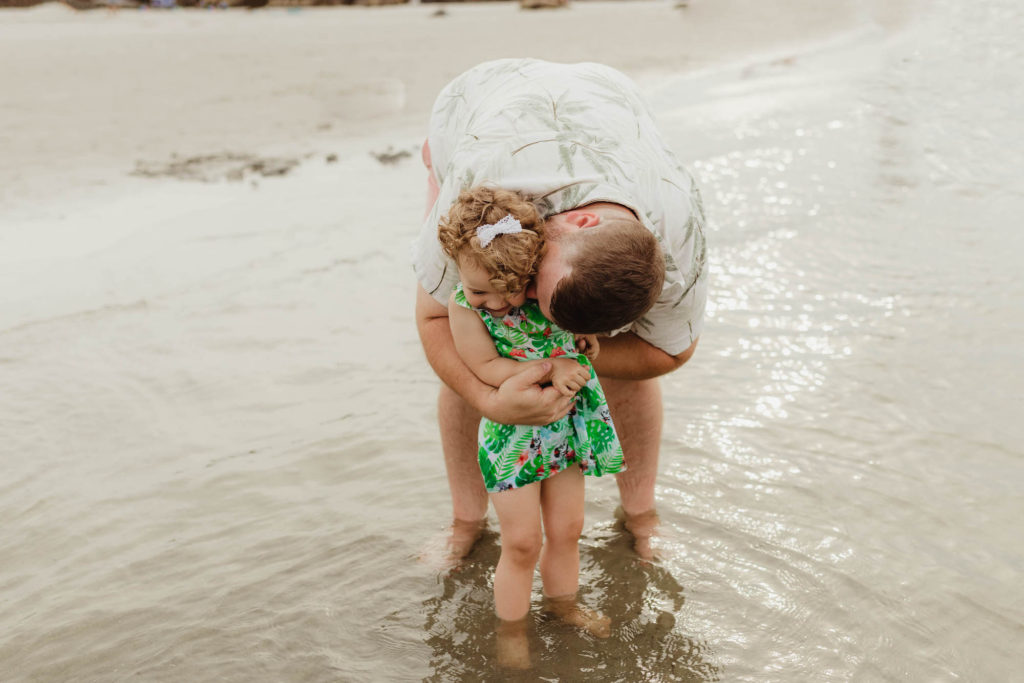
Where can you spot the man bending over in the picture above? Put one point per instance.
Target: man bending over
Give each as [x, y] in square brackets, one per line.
[579, 140]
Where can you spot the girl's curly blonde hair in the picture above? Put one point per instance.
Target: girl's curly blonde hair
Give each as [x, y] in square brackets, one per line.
[511, 260]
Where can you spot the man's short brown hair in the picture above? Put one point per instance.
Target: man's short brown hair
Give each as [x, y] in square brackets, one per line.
[617, 274]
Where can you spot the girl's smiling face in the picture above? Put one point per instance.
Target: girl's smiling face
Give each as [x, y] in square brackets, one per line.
[480, 293]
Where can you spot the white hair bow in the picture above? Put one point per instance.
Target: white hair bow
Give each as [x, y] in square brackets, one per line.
[506, 226]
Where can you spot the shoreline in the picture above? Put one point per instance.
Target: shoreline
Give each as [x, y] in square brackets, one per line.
[84, 113]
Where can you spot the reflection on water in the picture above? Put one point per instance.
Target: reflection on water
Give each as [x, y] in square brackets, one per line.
[219, 439]
[646, 642]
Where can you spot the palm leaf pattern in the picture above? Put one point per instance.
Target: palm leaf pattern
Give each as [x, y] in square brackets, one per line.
[495, 435]
[511, 456]
[602, 436]
[570, 135]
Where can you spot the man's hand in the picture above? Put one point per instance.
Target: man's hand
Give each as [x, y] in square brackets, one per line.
[568, 376]
[521, 400]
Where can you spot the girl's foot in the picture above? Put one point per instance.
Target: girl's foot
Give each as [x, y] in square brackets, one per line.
[571, 612]
[513, 646]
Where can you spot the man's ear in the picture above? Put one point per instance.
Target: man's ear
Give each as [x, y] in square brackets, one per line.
[581, 218]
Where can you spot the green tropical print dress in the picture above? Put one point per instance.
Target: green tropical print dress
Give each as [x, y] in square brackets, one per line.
[516, 455]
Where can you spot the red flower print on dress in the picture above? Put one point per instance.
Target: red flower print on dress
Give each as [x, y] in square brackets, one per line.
[558, 352]
[517, 353]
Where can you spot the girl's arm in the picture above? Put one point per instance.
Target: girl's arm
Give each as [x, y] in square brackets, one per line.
[518, 401]
[475, 346]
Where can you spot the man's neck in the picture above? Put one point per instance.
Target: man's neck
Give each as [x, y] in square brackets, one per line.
[610, 208]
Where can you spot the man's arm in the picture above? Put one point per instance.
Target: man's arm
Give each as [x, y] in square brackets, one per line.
[519, 400]
[627, 356]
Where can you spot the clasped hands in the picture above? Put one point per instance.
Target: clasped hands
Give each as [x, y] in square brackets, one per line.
[567, 375]
[522, 399]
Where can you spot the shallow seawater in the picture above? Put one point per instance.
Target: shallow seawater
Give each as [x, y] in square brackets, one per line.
[222, 464]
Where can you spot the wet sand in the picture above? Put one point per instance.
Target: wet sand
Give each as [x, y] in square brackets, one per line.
[220, 452]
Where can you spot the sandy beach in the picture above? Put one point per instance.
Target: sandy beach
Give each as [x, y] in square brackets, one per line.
[217, 424]
[96, 92]
[106, 104]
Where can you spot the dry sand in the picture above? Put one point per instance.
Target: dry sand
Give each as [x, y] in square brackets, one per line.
[96, 94]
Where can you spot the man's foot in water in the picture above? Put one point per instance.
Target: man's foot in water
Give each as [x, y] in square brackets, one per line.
[571, 612]
[643, 527]
[463, 536]
[455, 544]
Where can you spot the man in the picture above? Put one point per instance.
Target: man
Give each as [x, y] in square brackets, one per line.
[578, 139]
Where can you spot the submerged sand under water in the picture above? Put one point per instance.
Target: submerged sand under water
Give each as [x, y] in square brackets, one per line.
[217, 427]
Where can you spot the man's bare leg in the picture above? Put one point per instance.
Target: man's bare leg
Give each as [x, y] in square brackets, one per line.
[459, 421]
[636, 409]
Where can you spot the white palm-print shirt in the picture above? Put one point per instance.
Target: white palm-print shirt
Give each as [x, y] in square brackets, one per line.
[570, 135]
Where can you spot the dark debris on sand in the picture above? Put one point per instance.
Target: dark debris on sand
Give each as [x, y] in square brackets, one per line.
[215, 167]
[390, 156]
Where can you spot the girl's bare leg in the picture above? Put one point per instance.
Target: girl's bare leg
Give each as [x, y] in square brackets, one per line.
[513, 645]
[561, 499]
[562, 510]
[519, 515]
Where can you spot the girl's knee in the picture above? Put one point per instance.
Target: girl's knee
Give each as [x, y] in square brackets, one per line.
[523, 548]
[566, 529]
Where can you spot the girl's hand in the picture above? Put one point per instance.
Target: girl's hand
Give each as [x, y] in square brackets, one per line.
[568, 376]
[588, 345]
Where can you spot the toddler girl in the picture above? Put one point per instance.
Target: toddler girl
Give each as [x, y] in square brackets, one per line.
[496, 238]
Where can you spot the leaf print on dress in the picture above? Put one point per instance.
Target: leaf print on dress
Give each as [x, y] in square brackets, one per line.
[512, 459]
[602, 436]
[591, 397]
[529, 473]
[544, 348]
[484, 458]
[496, 435]
[536, 318]
[513, 336]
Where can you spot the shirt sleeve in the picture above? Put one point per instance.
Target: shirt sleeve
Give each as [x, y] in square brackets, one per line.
[677, 318]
